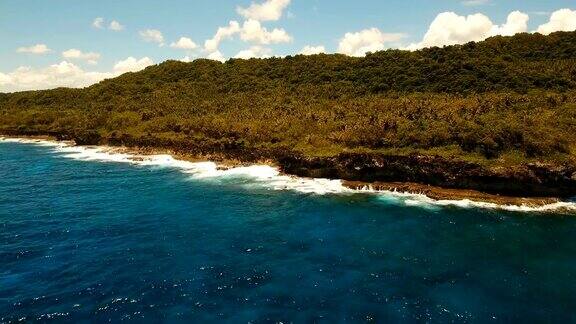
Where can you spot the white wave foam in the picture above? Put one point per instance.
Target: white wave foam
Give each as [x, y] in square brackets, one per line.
[262, 175]
[419, 200]
[41, 142]
[270, 177]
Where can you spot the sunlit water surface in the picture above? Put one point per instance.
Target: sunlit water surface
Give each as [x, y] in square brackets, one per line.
[94, 241]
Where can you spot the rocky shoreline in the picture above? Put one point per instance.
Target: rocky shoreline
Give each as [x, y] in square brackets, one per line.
[436, 177]
[438, 193]
[530, 180]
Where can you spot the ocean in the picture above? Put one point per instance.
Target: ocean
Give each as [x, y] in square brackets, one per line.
[91, 236]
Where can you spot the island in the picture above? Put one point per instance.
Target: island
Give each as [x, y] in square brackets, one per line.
[493, 118]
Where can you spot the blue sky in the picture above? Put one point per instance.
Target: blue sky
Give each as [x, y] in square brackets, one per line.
[62, 25]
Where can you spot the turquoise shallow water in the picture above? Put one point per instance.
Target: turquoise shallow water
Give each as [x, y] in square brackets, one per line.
[90, 241]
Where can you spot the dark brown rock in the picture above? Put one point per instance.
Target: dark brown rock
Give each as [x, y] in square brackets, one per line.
[529, 180]
[522, 181]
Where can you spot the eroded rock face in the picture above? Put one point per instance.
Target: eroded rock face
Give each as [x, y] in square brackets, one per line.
[529, 180]
[439, 193]
[532, 180]
[87, 138]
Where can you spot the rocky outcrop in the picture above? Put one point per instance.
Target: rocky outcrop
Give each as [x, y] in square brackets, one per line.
[531, 180]
[528, 180]
[439, 193]
[358, 169]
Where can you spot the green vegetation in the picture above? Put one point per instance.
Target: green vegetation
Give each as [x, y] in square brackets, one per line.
[503, 101]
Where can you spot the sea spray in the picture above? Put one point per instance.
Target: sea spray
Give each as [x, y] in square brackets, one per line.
[265, 176]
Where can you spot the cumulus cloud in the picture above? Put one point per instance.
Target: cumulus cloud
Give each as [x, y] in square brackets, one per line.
[4, 78]
[561, 20]
[266, 11]
[472, 3]
[367, 40]
[216, 56]
[34, 49]
[252, 31]
[311, 50]
[152, 36]
[64, 74]
[89, 57]
[115, 26]
[517, 22]
[186, 59]
[449, 29]
[184, 43]
[132, 64]
[98, 23]
[211, 45]
[254, 52]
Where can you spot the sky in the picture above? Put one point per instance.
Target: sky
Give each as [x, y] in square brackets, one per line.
[51, 43]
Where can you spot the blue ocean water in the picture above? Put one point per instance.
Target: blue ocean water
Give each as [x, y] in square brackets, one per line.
[93, 242]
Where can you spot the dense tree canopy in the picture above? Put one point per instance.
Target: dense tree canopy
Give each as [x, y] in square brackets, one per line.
[508, 99]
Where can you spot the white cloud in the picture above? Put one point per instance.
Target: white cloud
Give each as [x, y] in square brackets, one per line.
[216, 56]
[254, 52]
[184, 43]
[211, 45]
[5, 79]
[449, 29]
[540, 13]
[115, 26]
[517, 22]
[34, 49]
[252, 31]
[64, 74]
[472, 3]
[152, 36]
[186, 59]
[132, 64]
[90, 57]
[269, 10]
[98, 23]
[561, 20]
[367, 40]
[311, 50]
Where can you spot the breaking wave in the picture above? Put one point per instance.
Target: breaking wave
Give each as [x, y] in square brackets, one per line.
[269, 177]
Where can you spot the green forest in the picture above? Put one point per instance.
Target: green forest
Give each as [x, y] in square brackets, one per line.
[503, 101]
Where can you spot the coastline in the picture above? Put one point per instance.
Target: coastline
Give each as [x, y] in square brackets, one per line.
[439, 193]
[531, 180]
[414, 193]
